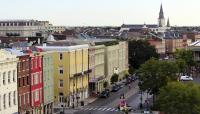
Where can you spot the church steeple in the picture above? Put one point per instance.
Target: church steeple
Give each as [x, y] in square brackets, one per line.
[168, 24]
[161, 19]
[161, 13]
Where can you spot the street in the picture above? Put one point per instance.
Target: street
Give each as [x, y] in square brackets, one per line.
[108, 105]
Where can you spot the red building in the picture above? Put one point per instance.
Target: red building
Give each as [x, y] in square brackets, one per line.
[23, 75]
[36, 82]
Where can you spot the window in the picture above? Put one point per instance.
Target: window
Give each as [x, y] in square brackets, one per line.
[61, 56]
[36, 95]
[61, 70]
[4, 101]
[4, 78]
[27, 80]
[9, 72]
[14, 98]
[23, 79]
[36, 78]
[9, 99]
[60, 83]
[61, 97]
[14, 75]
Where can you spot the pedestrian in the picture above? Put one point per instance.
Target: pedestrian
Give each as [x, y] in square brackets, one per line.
[129, 86]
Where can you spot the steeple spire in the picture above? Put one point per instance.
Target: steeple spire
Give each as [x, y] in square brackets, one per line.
[161, 14]
[168, 24]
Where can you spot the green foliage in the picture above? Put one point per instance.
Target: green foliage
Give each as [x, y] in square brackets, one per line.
[107, 43]
[131, 70]
[182, 66]
[186, 55]
[179, 98]
[139, 52]
[114, 78]
[154, 74]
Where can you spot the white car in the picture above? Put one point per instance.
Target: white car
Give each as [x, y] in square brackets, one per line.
[186, 78]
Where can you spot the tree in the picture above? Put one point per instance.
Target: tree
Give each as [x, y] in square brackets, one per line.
[105, 84]
[114, 78]
[139, 52]
[179, 98]
[155, 74]
[182, 66]
[187, 56]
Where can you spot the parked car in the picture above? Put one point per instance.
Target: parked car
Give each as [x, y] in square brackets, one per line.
[120, 84]
[105, 94]
[115, 88]
[186, 78]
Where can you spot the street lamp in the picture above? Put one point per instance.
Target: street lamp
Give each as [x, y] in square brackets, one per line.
[140, 99]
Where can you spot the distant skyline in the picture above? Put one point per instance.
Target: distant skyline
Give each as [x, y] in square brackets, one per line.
[102, 12]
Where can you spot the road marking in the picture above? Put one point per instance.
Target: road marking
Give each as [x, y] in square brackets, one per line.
[99, 108]
[104, 109]
[109, 109]
[90, 108]
[85, 108]
[95, 108]
[113, 109]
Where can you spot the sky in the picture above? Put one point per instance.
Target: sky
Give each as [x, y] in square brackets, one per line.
[102, 12]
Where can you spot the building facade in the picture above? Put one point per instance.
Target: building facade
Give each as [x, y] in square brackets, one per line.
[57, 29]
[8, 83]
[116, 60]
[96, 63]
[172, 44]
[23, 28]
[159, 45]
[24, 85]
[70, 75]
[36, 82]
[48, 81]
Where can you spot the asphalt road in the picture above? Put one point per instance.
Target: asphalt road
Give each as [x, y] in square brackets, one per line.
[108, 105]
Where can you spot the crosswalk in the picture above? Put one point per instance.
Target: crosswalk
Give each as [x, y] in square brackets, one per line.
[98, 108]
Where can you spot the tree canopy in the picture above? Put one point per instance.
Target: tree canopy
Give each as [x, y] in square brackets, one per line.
[114, 78]
[187, 58]
[154, 74]
[139, 52]
[179, 98]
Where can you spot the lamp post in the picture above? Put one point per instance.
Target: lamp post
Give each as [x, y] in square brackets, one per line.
[140, 99]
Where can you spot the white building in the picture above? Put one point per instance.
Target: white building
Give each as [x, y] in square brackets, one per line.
[8, 83]
[24, 28]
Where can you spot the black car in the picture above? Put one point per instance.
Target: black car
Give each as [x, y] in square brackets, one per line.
[115, 88]
[105, 94]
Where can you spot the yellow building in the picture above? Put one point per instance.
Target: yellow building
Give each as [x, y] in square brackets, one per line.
[96, 64]
[70, 74]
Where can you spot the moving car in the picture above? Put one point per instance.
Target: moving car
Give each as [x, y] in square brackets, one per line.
[105, 94]
[115, 88]
[186, 78]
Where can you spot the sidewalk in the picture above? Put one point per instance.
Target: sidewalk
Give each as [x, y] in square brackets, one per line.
[89, 100]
